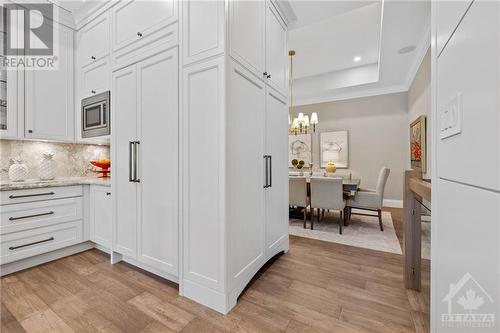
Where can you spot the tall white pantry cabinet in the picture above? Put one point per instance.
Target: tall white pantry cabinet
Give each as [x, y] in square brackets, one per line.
[234, 146]
[199, 138]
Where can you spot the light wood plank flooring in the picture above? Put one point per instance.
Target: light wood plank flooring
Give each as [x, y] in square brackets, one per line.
[316, 287]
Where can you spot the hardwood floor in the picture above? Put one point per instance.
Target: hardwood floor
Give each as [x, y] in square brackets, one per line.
[315, 287]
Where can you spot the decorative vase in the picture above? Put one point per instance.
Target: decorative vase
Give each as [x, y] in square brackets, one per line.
[330, 167]
[47, 166]
[18, 171]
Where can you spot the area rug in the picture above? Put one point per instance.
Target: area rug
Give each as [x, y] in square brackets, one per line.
[362, 231]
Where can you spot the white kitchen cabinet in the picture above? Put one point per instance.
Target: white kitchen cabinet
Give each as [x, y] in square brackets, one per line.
[11, 94]
[276, 195]
[247, 34]
[125, 210]
[234, 125]
[276, 49]
[245, 174]
[37, 221]
[100, 217]
[134, 21]
[13, 124]
[95, 79]
[93, 40]
[145, 109]
[49, 106]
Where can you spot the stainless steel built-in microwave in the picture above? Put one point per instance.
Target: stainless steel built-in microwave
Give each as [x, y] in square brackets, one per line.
[96, 115]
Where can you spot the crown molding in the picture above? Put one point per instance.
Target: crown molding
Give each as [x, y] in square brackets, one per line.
[359, 94]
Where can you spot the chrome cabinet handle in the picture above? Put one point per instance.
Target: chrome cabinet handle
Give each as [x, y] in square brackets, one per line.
[264, 74]
[92, 57]
[269, 76]
[30, 195]
[130, 161]
[93, 91]
[270, 171]
[266, 184]
[28, 216]
[136, 165]
[139, 34]
[108, 193]
[33, 243]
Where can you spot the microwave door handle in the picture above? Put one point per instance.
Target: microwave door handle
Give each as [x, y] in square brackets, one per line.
[130, 162]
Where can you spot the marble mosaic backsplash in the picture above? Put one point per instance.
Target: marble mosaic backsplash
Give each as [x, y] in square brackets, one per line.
[72, 160]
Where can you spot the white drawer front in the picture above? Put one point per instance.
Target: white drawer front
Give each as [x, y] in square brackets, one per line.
[38, 194]
[30, 215]
[24, 244]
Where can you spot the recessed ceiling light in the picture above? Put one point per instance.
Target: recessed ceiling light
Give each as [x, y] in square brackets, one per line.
[357, 59]
[407, 49]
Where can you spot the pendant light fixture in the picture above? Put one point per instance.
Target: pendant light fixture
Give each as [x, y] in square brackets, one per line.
[300, 124]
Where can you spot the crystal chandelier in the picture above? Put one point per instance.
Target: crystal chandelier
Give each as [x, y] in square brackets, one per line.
[302, 123]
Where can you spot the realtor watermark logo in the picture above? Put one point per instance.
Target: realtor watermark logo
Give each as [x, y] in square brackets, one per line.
[30, 36]
[468, 305]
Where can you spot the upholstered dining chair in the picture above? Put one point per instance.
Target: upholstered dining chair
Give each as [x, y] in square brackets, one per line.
[327, 193]
[370, 199]
[297, 194]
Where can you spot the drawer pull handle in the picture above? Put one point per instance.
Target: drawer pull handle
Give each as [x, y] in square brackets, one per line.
[33, 243]
[29, 195]
[28, 216]
[108, 193]
[139, 34]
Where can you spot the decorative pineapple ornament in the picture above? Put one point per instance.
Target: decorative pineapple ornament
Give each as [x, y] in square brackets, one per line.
[18, 171]
[47, 166]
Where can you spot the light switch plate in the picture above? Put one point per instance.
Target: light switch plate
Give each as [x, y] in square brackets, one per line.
[451, 118]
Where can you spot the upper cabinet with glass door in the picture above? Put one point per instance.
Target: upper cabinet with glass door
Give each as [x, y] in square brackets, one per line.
[11, 113]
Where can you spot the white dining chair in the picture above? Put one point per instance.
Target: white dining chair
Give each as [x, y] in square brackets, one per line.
[297, 194]
[370, 199]
[327, 193]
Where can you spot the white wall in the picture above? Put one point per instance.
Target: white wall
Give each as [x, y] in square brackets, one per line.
[378, 136]
[466, 169]
[419, 103]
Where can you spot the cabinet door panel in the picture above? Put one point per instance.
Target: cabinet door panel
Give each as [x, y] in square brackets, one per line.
[246, 34]
[12, 122]
[277, 193]
[276, 49]
[245, 175]
[124, 115]
[100, 215]
[158, 109]
[95, 79]
[49, 96]
[133, 20]
[94, 40]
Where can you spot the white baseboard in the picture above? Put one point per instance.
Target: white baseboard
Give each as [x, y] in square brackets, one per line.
[393, 203]
[44, 258]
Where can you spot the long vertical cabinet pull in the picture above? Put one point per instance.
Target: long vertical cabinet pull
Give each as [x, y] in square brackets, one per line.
[130, 161]
[266, 183]
[136, 165]
[270, 170]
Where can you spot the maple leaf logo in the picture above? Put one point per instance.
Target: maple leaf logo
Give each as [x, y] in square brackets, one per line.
[470, 301]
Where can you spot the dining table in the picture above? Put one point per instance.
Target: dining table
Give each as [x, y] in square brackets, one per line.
[350, 188]
[350, 185]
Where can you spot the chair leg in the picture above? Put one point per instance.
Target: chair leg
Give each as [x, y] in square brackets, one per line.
[312, 218]
[341, 224]
[305, 216]
[341, 215]
[322, 213]
[380, 220]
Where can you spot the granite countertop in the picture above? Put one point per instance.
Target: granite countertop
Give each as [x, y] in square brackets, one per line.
[58, 181]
